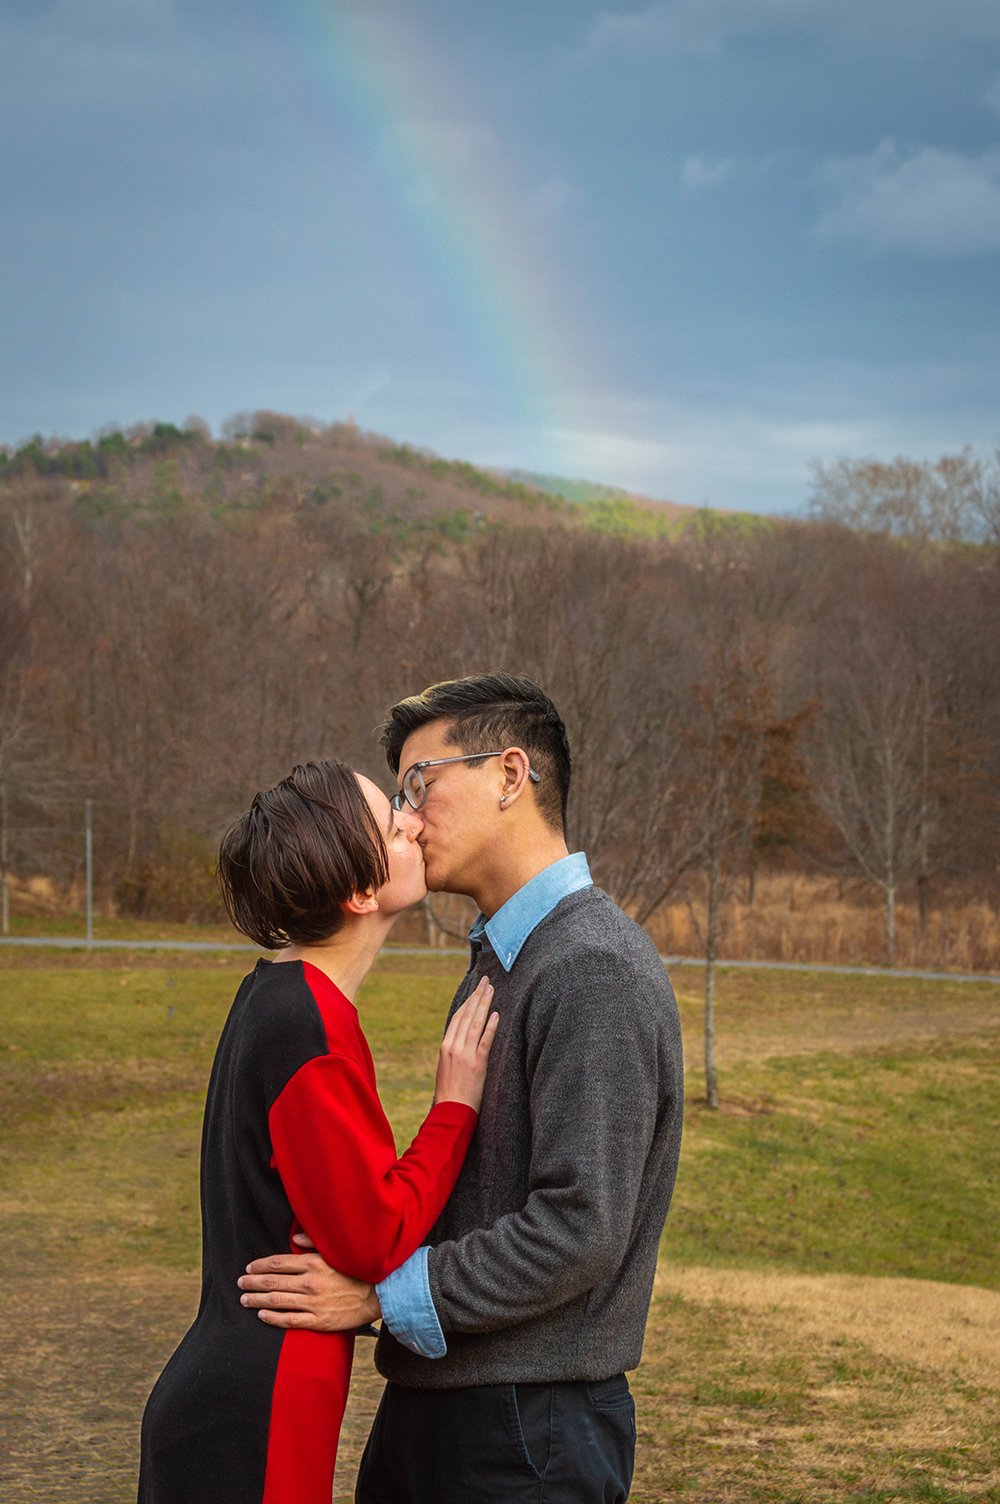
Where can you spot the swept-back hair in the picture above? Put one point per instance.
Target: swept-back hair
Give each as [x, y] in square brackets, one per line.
[301, 850]
[488, 713]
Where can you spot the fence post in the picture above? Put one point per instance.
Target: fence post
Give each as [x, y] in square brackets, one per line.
[4, 886]
[89, 814]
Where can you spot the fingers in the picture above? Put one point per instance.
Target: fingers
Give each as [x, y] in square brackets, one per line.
[269, 1283]
[480, 994]
[481, 999]
[285, 1263]
[276, 1300]
[303, 1239]
[488, 1035]
[290, 1319]
[474, 1011]
[462, 1013]
[464, 1053]
[479, 1020]
[288, 1282]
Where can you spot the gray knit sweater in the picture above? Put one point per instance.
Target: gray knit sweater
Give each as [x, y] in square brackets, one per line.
[541, 1266]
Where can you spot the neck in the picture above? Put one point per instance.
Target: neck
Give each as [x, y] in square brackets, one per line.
[500, 881]
[347, 957]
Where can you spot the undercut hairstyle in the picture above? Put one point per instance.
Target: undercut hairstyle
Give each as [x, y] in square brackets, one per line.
[300, 851]
[488, 713]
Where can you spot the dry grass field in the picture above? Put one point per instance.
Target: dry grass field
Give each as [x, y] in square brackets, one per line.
[808, 917]
[826, 1319]
[795, 916]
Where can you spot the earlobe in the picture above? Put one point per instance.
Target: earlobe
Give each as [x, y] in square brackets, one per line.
[517, 770]
[361, 903]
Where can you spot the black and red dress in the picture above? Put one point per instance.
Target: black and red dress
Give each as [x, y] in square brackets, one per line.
[294, 1139]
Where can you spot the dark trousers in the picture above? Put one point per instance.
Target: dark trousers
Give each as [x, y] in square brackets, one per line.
[515, 1443]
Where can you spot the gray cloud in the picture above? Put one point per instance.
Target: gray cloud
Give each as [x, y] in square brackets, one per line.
[991, 98]
[705, 26]
[114, 60]
[700, 172]
[932, 203]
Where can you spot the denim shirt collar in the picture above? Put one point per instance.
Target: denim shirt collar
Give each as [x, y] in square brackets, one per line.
[514, 921]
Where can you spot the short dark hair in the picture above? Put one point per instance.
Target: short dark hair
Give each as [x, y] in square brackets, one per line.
[488, 712]
[299, 852]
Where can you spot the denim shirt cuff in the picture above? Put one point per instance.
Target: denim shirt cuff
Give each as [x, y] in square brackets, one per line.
[408, 1308]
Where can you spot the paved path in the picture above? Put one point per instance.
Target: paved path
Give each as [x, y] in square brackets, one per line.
[68, 942]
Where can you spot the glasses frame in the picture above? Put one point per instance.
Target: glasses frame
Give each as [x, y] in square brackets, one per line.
[402, 795]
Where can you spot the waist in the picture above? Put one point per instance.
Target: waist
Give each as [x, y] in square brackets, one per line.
[563, 1347]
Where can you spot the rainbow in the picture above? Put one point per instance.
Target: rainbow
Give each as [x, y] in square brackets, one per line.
[476, 243]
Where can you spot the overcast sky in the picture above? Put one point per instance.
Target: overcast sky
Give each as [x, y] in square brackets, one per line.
[686, 248]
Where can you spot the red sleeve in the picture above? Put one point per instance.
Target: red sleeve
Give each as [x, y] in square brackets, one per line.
[365, 1210]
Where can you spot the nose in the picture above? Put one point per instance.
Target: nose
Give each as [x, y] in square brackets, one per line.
[411, 822]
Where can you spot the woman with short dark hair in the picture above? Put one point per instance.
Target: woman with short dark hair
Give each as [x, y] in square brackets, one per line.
[295, 1140]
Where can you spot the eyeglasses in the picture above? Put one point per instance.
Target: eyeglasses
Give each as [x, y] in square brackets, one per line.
[414, 790]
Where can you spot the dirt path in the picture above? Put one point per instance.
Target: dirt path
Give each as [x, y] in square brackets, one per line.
[79, 1356]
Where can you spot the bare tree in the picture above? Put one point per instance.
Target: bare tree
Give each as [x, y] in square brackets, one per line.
[985, 500]
[30, 777]
[871, 767]
[920, 499]
[733, 738]
[202, 615]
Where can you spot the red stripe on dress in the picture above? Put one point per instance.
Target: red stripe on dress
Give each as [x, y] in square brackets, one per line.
[307, 1407]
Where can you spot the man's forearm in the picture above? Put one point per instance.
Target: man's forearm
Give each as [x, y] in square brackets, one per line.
[492, 1278]
[527, 1263]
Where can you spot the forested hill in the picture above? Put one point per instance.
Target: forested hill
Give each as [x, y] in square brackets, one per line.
[183, 619]
[270, 460]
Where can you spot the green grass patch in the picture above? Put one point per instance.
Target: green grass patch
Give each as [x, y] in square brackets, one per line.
[861, 1163]
[856, 1136]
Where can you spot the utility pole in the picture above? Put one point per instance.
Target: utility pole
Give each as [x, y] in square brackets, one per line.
[4, 886]
[89, 817]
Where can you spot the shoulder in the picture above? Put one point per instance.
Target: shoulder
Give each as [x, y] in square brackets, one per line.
[588, 948]
[587, 929]
[338, 1014]
[292, 1014]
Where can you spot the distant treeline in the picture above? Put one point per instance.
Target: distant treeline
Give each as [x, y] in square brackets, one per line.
[183, 619]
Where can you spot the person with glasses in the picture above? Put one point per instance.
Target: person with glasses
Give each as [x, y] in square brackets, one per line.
[506, 1336]
[318, 869]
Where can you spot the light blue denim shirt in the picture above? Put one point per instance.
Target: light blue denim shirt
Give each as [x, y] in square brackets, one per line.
[405, 1294]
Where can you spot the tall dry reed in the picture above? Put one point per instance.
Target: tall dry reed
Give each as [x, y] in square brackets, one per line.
[805, 917]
